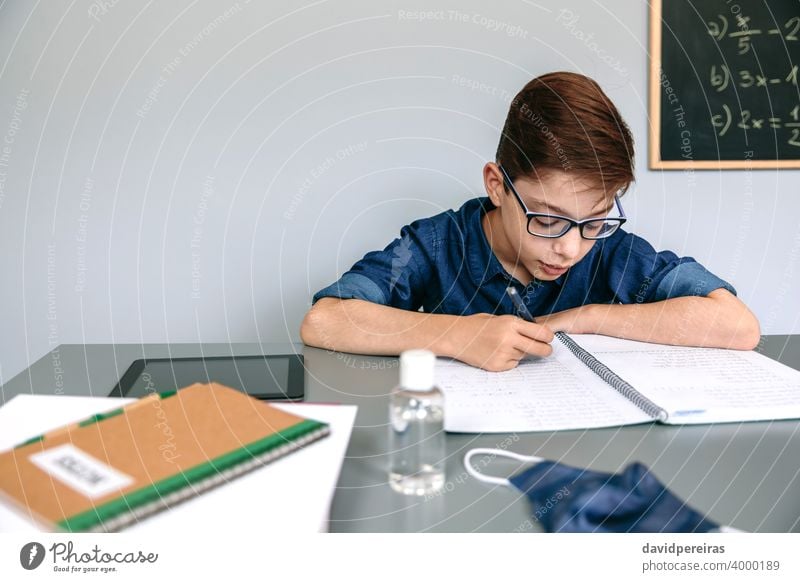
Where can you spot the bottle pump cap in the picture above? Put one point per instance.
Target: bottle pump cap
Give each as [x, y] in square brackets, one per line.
[416, 369]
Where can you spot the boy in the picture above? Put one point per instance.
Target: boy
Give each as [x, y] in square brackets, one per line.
[550, 227]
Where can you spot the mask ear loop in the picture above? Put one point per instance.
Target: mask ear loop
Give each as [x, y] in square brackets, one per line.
[497, 453]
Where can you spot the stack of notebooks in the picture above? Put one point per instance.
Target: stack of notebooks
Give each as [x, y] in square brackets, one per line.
[114, 468]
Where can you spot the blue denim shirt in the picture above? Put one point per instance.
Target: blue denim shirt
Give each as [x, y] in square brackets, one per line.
[444, 264]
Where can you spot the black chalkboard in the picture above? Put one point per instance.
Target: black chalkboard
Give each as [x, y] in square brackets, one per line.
[725, 92]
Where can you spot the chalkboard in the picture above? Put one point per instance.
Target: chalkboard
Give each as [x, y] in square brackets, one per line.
[724, 84]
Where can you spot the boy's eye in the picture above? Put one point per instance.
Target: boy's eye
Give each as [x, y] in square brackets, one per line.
[593, 226]
[546, 220]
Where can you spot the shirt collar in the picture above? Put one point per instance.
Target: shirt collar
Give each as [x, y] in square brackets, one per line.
[481, 260]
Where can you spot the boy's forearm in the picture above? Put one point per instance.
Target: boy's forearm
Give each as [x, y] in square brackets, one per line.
[719, 320]
[362, 327]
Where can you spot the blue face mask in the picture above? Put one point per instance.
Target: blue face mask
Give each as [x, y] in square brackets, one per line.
[568, 499]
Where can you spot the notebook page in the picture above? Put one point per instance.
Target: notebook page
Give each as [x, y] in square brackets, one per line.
[553, 393]
[697, 385]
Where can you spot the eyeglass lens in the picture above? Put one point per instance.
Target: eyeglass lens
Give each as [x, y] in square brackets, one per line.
[554, 227]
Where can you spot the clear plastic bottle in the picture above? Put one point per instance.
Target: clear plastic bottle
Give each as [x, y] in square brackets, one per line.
[416, 427]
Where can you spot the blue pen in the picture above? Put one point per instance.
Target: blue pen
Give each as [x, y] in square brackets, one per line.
[522, 310]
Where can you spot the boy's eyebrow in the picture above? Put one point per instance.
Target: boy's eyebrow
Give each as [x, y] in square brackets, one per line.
[557, 210]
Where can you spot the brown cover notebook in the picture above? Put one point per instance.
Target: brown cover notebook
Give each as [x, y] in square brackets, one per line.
[114, 468]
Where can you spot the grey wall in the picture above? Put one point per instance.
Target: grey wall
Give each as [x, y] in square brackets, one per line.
[194, 171]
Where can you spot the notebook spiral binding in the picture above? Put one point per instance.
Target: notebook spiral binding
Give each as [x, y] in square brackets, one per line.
[608, 376]
[168, 501]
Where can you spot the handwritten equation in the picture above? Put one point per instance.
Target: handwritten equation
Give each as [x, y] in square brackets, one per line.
[720, 78]
[719, 29]
[736, 74]
[745, 120]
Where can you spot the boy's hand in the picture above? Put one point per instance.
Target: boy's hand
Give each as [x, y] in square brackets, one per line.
[575, 320]
[498, 342]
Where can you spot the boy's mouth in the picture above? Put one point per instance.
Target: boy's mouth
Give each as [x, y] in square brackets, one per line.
[553, 270]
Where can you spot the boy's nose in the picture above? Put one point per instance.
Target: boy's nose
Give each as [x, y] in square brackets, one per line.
[569, 245]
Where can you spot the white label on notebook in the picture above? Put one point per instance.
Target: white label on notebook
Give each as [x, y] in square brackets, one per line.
[80, 471]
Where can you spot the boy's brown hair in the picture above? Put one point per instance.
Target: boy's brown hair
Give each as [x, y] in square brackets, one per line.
[564, 121]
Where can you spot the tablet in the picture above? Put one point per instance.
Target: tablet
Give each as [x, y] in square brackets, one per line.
[278, 377]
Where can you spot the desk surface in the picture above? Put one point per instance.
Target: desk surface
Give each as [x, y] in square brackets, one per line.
[741, 474]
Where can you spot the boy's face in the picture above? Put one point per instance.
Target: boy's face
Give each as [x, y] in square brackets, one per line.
[555, 192]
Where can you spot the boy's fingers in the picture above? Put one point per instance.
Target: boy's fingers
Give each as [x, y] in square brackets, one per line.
[536, 331]
[534, 347]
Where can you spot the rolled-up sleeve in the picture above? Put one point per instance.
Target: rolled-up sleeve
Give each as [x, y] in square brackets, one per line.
[353, 286]
[395, 276]
[688, 278]
[639, 274]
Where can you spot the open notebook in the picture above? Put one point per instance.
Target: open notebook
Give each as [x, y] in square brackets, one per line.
[596, 381]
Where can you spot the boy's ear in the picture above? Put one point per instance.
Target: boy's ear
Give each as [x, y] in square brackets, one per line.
[494, 184]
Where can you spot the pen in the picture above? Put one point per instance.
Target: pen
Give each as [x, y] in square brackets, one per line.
[522, 310]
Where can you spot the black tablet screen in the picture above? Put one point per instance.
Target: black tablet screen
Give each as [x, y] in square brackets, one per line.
[266, 377]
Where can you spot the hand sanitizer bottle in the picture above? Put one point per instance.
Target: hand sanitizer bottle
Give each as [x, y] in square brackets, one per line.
[416, 428]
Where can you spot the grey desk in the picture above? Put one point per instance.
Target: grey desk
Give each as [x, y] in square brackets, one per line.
[745, 474]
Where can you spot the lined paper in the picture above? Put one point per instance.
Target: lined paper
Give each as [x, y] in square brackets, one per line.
[554, 393]
[697, 385]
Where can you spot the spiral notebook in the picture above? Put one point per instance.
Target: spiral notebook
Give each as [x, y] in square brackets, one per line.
[597, 381]
[115, 468]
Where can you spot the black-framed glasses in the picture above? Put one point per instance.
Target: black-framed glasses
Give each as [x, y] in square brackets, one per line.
[554, 226]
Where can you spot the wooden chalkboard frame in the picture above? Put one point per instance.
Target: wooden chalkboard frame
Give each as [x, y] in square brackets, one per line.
[656, 163]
